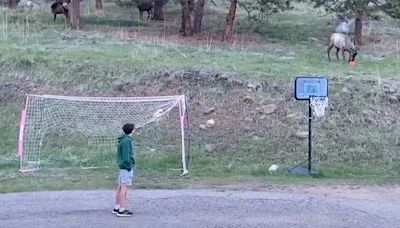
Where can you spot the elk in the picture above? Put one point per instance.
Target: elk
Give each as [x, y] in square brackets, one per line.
[342, 43]
[60, 7]
[145, 6]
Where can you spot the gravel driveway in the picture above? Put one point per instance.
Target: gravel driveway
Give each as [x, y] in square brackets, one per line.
[197, 208]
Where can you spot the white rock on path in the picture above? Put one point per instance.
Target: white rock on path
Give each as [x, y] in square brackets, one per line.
[210, 123]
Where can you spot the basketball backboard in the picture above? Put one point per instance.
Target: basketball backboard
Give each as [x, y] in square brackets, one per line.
[306, 87]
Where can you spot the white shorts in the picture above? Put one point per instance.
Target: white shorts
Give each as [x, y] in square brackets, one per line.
[125, 178]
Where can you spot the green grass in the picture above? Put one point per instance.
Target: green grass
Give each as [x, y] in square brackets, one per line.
[294, 26]
[89, 59]
[50, 59]
[290, 53]
[156, 172]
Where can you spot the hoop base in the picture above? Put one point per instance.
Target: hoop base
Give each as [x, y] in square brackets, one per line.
[301, 170]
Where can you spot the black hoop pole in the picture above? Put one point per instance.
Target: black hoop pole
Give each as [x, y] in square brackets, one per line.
[309, 136]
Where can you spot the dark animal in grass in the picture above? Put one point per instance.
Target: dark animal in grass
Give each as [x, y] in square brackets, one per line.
[145, 6]
[60, 7]
[342, 43]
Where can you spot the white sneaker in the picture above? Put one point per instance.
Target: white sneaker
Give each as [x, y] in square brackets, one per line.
[124, 213]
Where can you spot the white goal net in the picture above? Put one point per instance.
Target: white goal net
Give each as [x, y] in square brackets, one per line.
[98, 119]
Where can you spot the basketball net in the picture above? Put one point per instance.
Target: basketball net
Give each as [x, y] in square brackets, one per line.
[318, 105]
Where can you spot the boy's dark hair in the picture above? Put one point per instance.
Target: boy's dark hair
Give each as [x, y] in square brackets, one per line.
[128, 128]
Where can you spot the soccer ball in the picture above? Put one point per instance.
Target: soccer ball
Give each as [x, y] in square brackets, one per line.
[273, 168]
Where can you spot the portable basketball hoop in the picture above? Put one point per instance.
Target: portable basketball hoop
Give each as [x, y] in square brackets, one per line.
[315, 90]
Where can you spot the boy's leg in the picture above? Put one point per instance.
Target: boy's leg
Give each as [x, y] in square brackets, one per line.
[125, 182]
[117, 200]
[117, 196]
[122, 196]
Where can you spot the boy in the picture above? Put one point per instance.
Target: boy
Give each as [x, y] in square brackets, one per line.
[126, 165]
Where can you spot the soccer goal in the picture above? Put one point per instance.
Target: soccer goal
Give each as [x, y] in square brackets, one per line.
[97, 121]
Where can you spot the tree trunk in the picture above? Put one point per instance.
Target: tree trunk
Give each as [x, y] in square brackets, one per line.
[186, 28]
[74, 14]
[99, 4]
[158, 14]
[192, 5]
[228, 30]
[12, 3]
[358, 31]
[198, 16]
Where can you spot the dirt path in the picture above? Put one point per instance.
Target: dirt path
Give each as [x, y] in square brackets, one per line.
[312, 206]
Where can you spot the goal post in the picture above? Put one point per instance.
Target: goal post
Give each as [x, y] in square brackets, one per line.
[99, 119]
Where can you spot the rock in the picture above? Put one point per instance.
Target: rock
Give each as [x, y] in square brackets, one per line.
[393, 98]
[248, 119]
[248, 100]
[238, 81]
[235, 81]
[263, 117]
[163, 74]
[344, 90]
[302, 134]
[255, 138]
[209, 111]
[292, 118]
[264, 85]
[391, 90]
[269, 109]
[223, 76]
[209, 148]
[202, 126]
[253, 86]
[204, 73]
[210, 123]
[152, 150]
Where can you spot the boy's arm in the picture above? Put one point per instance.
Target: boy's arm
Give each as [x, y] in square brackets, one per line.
[126, 151]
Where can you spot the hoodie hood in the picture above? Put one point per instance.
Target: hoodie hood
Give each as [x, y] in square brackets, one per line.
[122, 137]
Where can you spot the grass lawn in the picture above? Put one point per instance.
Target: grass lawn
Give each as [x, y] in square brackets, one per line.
[44, 57]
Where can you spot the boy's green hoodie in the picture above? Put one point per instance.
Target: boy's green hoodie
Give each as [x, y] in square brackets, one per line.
[125, 158]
